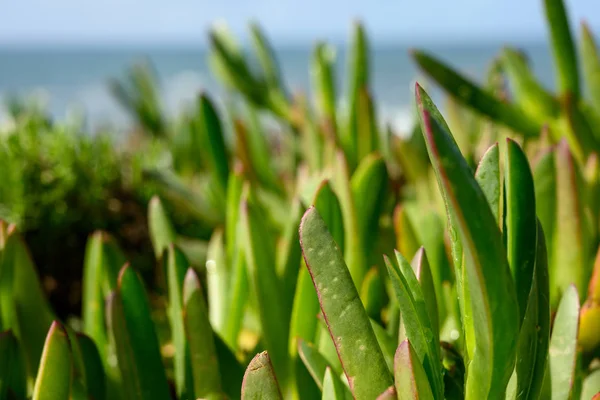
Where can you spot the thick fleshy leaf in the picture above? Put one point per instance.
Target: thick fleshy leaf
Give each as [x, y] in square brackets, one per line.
[492, 292]
[53, 380]
[563, 345]
[520, 223]
[372, 293]
[266, 56]
[234, 195]
[475, 97]
[388, 344]
[420, 264]
[415, 319]
[563, 48]
[260, 381]
[529, 93]
[203, 360]
[289, 255]
[411, 380]
[532, 351]
[218, 279]
[136, 341]
[358, 67]
[176, 267]
[314, 361]
[488, 178]
[544, 176]
[324, 84]
[369, 186]
[303, 326]
[259, 251]
[95, 378]
[367, 137]
[568, 247]
[333, 388]
[162, 233]
[238, 298]
[355, 258]
[12, 368]
[590, 59]
[230, 367]
[210, 126]
[407, 241]
[328, 205]
[21, 298]
[344, 314]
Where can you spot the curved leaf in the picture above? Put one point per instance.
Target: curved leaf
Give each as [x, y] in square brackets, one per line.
[492, 293]
[344, 314]
[260, 381]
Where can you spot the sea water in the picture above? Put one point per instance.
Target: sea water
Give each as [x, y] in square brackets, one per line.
[75, 79]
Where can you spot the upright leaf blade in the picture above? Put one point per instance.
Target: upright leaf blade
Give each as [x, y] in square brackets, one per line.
[176, 266]
[12, 367]
[203, 359]
[488, 178]
[591, 65]
[492, 292]
[345, 316]
[94, 371]
[520, 222]
[162, 233]
[563, 345]
[410, 377]
[563, 48]
[260, 381]
[259, 251]
[133, 331]
[56, 367]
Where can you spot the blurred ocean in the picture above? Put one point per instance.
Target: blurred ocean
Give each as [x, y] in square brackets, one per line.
[69, 79]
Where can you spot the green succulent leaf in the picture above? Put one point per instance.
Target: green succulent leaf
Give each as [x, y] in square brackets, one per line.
[487, 176]
[136, 341]
[591, 65]
[475, 97]
[563, 345]
[563, 48]
[259, 250]
[333, 388]
[210, 127]
[21, 298]
[200, 344]
[532, 351]
[95, 378]
[289, 254]
[324, 83]
[492, 294]
[411, 380]
[369, 186]
[12, 367]
[176, 267]
[345, 316]
[162, 233]
[56, 366]
[415, 319]
[529, 93]
[568, 246]
[520, 222]
[260, 381]
[218, 277]
[422, 270]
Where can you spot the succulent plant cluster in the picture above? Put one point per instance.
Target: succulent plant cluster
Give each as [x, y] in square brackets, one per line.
[345, 261]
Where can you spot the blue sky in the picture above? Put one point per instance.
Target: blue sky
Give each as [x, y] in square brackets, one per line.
[172, 21]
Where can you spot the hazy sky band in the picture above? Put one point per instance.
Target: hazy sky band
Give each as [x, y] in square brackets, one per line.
[286, 21]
